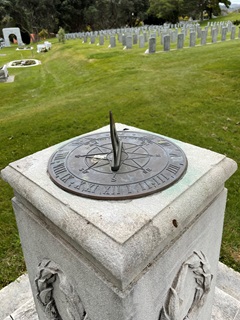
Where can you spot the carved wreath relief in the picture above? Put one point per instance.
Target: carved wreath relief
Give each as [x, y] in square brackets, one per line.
[188, 292]
[48, 274]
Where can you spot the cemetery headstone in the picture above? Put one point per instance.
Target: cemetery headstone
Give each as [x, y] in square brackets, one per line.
[141, 41]
[163, 34]
[124, 39]
[135, 39]
[173, 35]
[214, 35]
[129, 42]
[145, 37]
[152, 45]
[93, 37]
[112, 41]
[120, 37]
[166, 43]
[229, 26]
[3, 73]
[233, 32]
[101, 40]
[199, 32]
[224, 33]
[180, 41]
[192, 39]
[204, 37]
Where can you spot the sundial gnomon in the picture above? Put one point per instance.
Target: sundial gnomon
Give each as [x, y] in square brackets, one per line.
[117, 165]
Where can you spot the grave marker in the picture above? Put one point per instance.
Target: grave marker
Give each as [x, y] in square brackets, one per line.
[112, 41]
[204, 37]
[152, 45]
[233, 32]
[129, 42]
[224, 33]
[214, 35]
[192, 39]
[141, 41]
[180, 41]
[166, 43]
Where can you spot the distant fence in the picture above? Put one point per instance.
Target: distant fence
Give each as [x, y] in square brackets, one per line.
[161, 38]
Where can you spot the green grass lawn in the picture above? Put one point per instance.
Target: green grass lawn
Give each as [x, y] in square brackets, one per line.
[190, 94]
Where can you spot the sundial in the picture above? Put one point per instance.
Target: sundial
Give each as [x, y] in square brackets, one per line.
[117, 165]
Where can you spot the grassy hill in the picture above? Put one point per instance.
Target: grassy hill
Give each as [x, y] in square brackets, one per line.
[191, 95]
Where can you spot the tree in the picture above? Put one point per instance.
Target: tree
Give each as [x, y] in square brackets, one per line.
[169, 10]
[70, 14]
[213, 7]
[30, 14]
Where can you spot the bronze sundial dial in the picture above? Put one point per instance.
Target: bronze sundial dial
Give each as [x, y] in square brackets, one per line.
[117, 165]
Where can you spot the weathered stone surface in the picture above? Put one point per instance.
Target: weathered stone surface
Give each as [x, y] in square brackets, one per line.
[7, 32]
[101, 40]
[27, 311]
[192, 39]
[204, 37]
[166, 43]
[141, 41]
[152, 45]
[225, 305]
[112, 41]
[224, 33]
[228, 281]
[129, 42]
[180, 41]
[117, 259]
[214, 35]
[233, 32]
[14, 295]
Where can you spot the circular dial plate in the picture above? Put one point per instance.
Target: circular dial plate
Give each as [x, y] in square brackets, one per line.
[149, 163]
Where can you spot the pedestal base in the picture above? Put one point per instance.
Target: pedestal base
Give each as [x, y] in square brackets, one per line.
[180, 281]
[152, 258]
[226, 304]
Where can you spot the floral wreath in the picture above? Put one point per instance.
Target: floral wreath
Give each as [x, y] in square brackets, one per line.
[174, 307]
[48, 271]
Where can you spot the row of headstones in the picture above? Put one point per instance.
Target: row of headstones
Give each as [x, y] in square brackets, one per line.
[128, 40]
[158, 30]
[125, 30]
[166, 40]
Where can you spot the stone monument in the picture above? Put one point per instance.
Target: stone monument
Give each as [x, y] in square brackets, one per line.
[3, 73]
[8, 31]
[109, 235]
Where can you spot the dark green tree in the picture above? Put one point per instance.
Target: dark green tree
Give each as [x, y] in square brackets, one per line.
[213, 8]
[31, 14]
[70, 14]
[170, 10]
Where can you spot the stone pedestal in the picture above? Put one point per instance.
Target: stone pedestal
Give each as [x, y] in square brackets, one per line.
[153, 258]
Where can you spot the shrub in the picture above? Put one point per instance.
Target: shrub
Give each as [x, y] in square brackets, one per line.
[236, 22]
[43, 34]
[61, 35]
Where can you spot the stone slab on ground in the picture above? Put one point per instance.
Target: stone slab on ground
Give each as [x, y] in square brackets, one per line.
[225, 307]
[14, 296]
[228, 281]
[26, 312]
[16, 301]
[9, 79]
